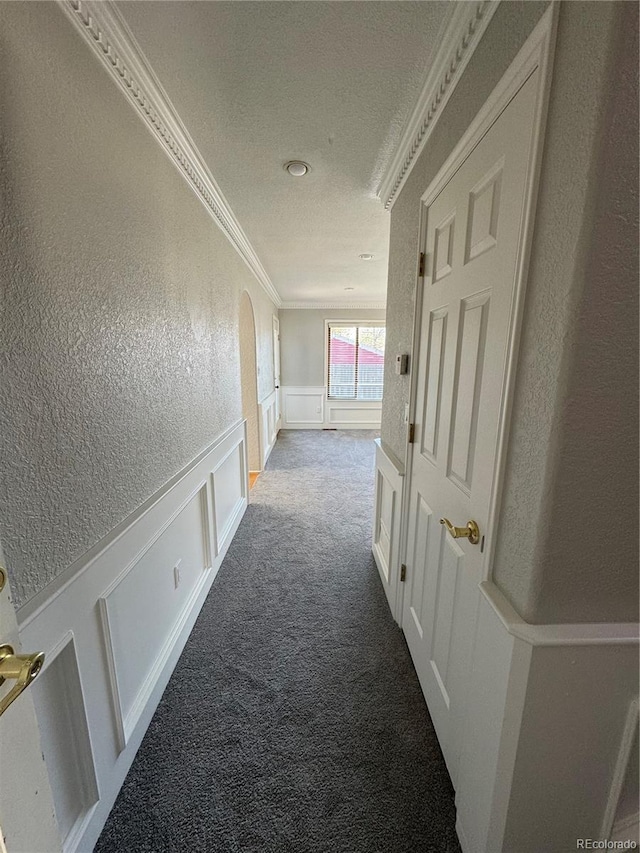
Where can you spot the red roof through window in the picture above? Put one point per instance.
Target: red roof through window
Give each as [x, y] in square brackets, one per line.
[343, 352]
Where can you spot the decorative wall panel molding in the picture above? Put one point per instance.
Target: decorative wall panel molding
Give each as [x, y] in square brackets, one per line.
[466, 28]
[132, 618]
[303, 407]
[113, 633]
[387, 518]
[352, 415]
[307, 407]
[559, 686]
[269, 425]
[105, 30]
[66, 741]
[229, 495]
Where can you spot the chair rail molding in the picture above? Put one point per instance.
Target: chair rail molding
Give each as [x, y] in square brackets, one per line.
[113, 631]
[465, 28]
[103, 27]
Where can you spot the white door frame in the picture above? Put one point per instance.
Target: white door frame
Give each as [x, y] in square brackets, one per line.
[536, 53]
[277, 369]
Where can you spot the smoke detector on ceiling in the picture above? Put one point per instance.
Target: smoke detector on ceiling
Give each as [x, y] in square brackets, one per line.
[366, 257]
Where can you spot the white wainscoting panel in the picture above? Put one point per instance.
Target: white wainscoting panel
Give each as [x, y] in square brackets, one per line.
[229, 492]
[113, 629]
[547, 719]
[65, 741]
[269, 424]
[387, 515]
[144, 609]
[303, 407]
[342, 415]
[307, 407]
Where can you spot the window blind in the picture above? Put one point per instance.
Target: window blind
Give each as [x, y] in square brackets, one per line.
[355, 362]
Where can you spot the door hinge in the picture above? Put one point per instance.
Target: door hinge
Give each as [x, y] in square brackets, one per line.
[403, 573]
[412, 433]
[422, 264]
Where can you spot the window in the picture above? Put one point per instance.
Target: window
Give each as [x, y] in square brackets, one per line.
[355, 361]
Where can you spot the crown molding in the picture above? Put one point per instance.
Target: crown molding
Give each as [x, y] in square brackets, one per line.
[462, 35]
[105, 30]
[373, 306]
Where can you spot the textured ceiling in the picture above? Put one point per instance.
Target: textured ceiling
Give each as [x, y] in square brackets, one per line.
[330, 83]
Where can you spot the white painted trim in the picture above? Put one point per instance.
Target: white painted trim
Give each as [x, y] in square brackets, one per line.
[32, 608]
[329, 415]
[390, 473]
[466, 27]
[80, 609]
[346, 414]
[609, 825]
[331, 404]
[533, 705]
[346, 306]
[223, 537]
[269, 425]
[83, 751]
[125, 723]
[575, 634]
[104, 28]
[277, 373]
[290, 391]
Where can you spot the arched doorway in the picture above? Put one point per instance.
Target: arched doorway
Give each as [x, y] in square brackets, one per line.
[249, 381]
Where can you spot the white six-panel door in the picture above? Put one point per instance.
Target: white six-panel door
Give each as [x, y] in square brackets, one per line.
[472, 228]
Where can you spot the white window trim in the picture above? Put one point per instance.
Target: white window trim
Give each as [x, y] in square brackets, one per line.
[358, 404]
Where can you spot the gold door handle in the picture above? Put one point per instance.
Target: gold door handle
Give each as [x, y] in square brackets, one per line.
[22, 668]
[470, 532]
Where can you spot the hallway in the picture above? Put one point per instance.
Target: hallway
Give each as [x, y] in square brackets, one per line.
[294, 720]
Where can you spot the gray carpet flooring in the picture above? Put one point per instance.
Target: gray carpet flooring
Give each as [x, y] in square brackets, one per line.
[294, 722]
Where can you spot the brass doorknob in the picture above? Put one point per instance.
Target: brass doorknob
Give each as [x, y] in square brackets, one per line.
[22, 668]
[470, 532]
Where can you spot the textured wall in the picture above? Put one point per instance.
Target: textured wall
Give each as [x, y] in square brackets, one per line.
[302, 341]
[586, 560]
[120, 305]
[570, 457]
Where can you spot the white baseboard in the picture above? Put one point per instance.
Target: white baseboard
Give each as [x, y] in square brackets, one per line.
[307, 407]
[387, 516]
[113, 631]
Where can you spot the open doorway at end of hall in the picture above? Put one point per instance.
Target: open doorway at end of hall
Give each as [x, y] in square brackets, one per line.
[249, 385]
